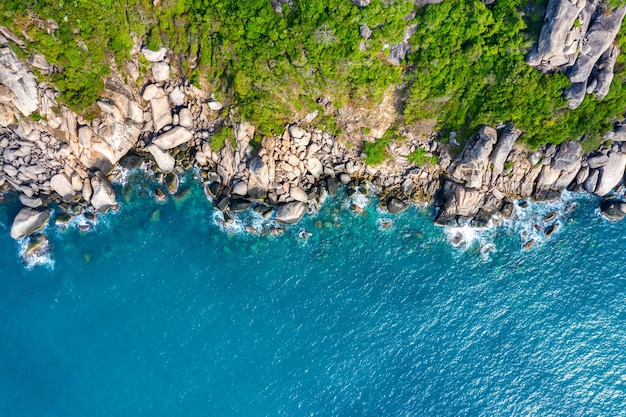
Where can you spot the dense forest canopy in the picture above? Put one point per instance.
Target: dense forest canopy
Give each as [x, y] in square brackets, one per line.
[466, 66]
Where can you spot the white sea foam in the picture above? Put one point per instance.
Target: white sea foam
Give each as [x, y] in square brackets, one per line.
[358, 200]
[43, 257]
[242, 220]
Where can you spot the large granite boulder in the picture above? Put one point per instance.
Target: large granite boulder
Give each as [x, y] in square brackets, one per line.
[29, 221]
[611, 173]
[172, 138]
[62, 186]
[290, 213]
[474, 161]
[103, 197]
[164, 160]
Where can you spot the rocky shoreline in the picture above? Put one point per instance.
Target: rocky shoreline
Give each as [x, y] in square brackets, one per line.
[49, 153]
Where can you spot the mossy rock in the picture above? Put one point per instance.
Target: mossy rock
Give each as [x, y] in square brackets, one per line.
[171, 182]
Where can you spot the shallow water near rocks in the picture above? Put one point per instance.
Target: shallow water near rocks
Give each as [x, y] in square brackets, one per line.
[159, 312]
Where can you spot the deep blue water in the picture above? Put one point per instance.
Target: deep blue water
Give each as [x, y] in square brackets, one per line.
[164, 314]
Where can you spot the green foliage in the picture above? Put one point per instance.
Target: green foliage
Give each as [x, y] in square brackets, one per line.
[218, 140]
[509, 165]
[466, 67]
[376, 152]
[470, 70]
[420, 157]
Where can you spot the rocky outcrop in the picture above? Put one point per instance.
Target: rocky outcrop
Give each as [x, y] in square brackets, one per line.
[20, 84]
[491, 171]
[577, 37]
[29, 221]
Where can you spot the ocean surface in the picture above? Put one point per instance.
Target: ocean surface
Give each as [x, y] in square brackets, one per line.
[160, 311]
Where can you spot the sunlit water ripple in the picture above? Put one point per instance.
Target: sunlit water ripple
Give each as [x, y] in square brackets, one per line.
[160, 312]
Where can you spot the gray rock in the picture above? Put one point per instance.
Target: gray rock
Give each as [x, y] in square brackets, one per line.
[365, 31]
[611, 173]
[296, 132]
[299, 194]
[39, 61]
[575, 95]
[240, 188]
[395, 205]
[315, 167]
[290, 213]
[151, 91]
[559, 19]
[361, 3]
[103, 196]
[177, 97]
[161, 112]
[474, 161]
[398, 52]
[459, 205]
[87, 190]
[599, 37]
[161, 72]
[62, 186]
[164, 160]
[567, 155]
[604, 76]
[154, 56]
[32, 202]
[185, 118]
[596, 161]
[592, 181]
[613, 209]
[29, 221]
[173, 138]
[502, 149]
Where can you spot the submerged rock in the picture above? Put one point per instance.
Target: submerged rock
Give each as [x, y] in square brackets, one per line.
[171, 182]
[63, 218]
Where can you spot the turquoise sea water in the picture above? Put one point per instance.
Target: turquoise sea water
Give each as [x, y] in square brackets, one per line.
[159, 312]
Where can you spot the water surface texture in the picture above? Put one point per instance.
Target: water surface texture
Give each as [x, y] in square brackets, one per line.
[159, 312]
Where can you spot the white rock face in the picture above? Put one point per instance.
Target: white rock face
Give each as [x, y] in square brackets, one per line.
[215, 105]
[28, 221]
[177, 98]
[20, 82]
[161, 114]
[62, 186]
[154, 56]
[161, 72]
[172, 138]
[185, 118]
[164, 160]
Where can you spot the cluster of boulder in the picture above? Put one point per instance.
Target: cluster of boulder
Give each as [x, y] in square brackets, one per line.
[491, 171]
[578, 37]
[49, 153]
